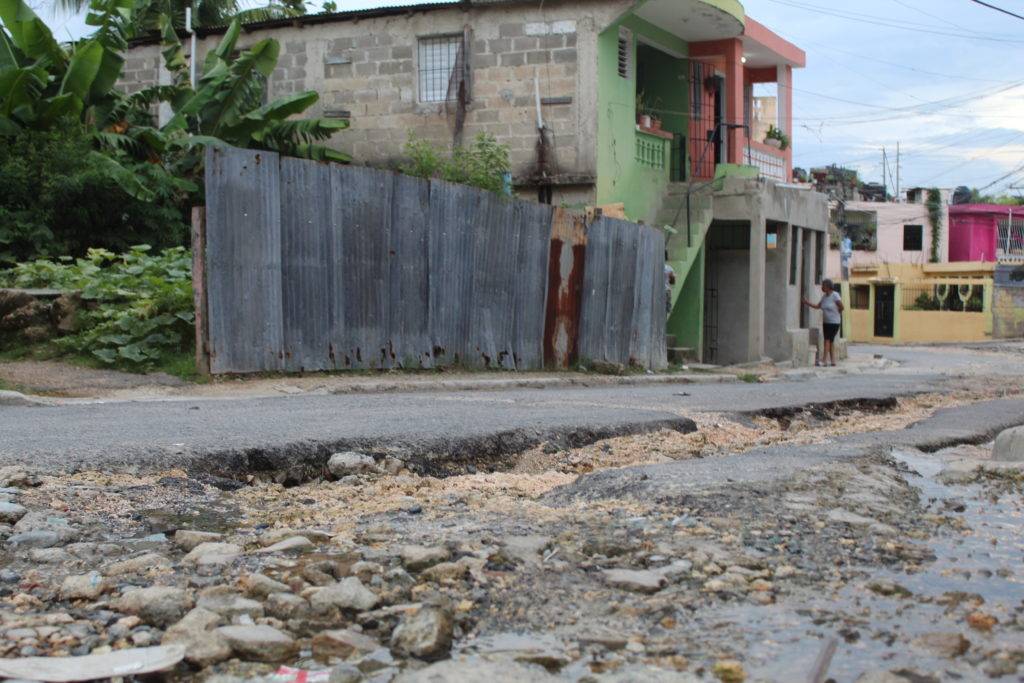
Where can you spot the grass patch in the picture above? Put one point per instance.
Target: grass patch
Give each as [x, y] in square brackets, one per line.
[749, 378]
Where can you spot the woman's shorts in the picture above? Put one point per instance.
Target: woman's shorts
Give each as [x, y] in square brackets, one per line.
[831, 330]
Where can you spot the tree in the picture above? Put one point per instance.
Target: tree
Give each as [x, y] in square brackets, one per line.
[48, 87]
[205, 12]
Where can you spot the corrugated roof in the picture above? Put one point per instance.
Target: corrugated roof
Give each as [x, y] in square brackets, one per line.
[331, 17]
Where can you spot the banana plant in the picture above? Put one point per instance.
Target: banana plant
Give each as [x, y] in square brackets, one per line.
[227, 104]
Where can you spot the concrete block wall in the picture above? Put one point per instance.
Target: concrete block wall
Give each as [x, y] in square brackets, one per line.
[1008, 302]
[369, 68]
[141, 68]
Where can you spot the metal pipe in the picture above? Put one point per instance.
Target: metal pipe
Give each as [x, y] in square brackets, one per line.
[192, 48]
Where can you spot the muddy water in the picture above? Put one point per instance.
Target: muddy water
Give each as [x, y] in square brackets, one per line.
[980, 556]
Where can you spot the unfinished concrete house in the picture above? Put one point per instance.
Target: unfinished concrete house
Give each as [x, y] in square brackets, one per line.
[680, 110]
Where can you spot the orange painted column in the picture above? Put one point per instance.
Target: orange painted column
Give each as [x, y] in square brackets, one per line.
[785, 95]
[734, 87]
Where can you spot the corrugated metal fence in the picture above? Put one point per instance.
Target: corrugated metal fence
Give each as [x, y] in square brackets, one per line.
[312, 266]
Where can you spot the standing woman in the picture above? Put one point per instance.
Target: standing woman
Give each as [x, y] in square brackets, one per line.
[831, 307]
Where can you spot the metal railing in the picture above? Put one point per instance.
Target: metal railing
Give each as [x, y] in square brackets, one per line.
[958, 297]
[1010, 238]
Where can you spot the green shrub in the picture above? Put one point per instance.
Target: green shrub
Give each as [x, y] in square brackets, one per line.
[58, 199]
[484, 164]
[138, 307]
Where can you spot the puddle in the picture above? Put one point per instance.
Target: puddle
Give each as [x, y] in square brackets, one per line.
[980, 554]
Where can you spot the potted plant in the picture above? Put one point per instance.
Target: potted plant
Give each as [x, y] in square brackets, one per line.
[776, 138]
[643, 117]
[655, 120]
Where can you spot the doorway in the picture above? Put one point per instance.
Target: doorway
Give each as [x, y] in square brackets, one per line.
[727, 293]
[885, 310]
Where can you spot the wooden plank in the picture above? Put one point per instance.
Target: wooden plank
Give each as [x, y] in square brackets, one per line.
[616, 210]
[306, 264]
[199, 290]
[243, 249]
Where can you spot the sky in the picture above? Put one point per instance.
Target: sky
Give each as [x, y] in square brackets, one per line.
[942, 78]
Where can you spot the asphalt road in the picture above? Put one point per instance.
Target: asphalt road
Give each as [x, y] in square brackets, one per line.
[973, 423]
[225, 435]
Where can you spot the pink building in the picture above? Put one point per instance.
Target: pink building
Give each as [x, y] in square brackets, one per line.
[884, 233]
[985, 232]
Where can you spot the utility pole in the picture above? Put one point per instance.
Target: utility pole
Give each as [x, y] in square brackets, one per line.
[885, 186]
[897, 170]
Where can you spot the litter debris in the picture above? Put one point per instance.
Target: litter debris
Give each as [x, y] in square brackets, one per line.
[287, 674]
[116, 664]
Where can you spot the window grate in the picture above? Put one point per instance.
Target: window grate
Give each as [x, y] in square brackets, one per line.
[438, 58]
[625, 53]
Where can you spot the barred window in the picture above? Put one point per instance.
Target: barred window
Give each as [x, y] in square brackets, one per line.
[438, 57]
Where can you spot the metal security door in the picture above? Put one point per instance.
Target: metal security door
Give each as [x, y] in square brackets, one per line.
[885, 300]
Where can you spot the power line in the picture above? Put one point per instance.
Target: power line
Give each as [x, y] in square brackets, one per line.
[998, 9]
[878, 21]
[1003, 177]
[986, 153]
[936, 16]
[924, 72]
[946, 103]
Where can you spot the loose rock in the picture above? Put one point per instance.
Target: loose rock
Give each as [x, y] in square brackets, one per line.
[416, 558]
[426, 634]
[84, 587]
[347, 594]
[350, 462]
[259, 643]
[187, 539]
[204, 646]
[342, 644]
[640, 581]
[213, 554]
[156, 605]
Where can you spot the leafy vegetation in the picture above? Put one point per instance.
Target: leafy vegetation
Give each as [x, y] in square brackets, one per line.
[933, 203]
[67, 129]
[59, 200]
[484, 164]
[138, 306]
[209, 12]
[777, 134]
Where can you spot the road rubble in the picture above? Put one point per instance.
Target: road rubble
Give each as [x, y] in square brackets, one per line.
[887, 533]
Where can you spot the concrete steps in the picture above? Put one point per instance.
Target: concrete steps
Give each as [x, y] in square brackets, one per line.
[681, 355]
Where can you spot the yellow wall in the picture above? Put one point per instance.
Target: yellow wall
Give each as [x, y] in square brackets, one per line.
[919, 327]
[944, 326]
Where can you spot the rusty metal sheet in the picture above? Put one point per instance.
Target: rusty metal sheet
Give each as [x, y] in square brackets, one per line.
[566, 262]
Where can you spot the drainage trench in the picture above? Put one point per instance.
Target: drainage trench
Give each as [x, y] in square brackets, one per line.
[571, 449]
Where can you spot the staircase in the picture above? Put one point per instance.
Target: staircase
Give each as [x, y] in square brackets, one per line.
[683, 251]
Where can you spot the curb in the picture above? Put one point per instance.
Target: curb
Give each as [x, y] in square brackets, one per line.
[528, 383]
[18, 399]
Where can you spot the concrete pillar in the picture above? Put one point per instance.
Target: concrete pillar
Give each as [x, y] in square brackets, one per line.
[784, 81]
[734, 84]
[755, 328]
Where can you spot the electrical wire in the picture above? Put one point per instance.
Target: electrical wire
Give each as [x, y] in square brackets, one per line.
[998, 9]
[877, 21]
[923, 72]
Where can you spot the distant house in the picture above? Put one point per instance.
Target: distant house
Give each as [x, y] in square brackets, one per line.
[660, 106]
[986, 232]
[886, 233]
